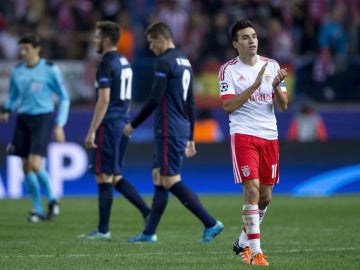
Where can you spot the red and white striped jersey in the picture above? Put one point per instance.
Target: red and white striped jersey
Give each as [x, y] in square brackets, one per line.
[256, 117]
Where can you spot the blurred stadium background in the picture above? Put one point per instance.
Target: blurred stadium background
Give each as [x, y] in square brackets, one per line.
[317, 40]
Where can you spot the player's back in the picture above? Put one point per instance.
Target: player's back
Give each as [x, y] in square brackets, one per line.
[171, 117]
[115, 72]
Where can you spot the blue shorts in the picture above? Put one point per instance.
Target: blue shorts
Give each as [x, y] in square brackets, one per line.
[111, 147]
[169, 154]
[32, 134]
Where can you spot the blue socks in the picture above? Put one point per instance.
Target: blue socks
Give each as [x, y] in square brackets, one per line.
[130, 193]
[33, 188]
[158, 206]
[44, 180]
[186, 196]
[105, 202]
[32, 181]
[192, 202]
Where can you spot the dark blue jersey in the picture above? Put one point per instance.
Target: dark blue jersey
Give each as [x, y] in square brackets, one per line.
[114, 72]
[171, 97]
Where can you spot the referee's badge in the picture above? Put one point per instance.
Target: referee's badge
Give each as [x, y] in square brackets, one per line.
[245, 170]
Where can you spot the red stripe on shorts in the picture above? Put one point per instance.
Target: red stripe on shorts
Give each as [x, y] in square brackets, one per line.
[99, 149]
[166, 166]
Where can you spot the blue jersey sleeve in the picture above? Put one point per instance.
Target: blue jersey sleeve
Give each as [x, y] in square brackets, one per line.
[61, 92]
[105, 74]
[13, 94]
[190, 109]
[158, 89]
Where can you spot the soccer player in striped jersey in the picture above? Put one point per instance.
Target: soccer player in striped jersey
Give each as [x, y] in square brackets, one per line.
[105, 138]
[32, 85]
[172, 100]
[250, 86]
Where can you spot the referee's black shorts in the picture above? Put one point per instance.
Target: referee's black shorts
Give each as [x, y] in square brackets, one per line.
[32, 134]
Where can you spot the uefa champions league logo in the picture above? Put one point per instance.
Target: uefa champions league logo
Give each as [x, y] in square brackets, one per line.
[223, 87]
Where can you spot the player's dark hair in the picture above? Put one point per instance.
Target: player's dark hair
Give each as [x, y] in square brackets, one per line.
[159, 28]
[32, 39]
[238, 26]
[110, 30]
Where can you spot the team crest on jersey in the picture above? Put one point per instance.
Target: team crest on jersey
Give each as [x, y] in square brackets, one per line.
[245, 170]
[267, 77]
[224, 87]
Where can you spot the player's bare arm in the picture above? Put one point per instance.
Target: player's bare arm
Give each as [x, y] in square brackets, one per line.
[281, 99]
[231, 104]
[100, 109]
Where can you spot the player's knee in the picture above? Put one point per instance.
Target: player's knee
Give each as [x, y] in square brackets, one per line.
[102, 178]
[25, 166]
[167, 185]
[264, 200]
[265, 195]
[156, 177]
[168, 181]
[34, 162]
[250, 191]
[26, 170]
[116, 179]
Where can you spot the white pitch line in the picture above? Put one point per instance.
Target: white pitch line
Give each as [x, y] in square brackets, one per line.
[311, 250]
[165, 253]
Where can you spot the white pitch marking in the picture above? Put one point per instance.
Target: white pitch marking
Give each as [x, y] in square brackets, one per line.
[164, 253]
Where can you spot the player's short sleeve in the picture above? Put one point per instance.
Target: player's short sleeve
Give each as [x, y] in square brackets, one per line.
[226, 85]
[104, 75]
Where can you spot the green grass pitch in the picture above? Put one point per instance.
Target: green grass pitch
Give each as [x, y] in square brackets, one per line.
[297, 233]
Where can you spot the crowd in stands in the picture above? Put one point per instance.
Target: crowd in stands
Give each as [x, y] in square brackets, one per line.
[200, 27]
[326, 30]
